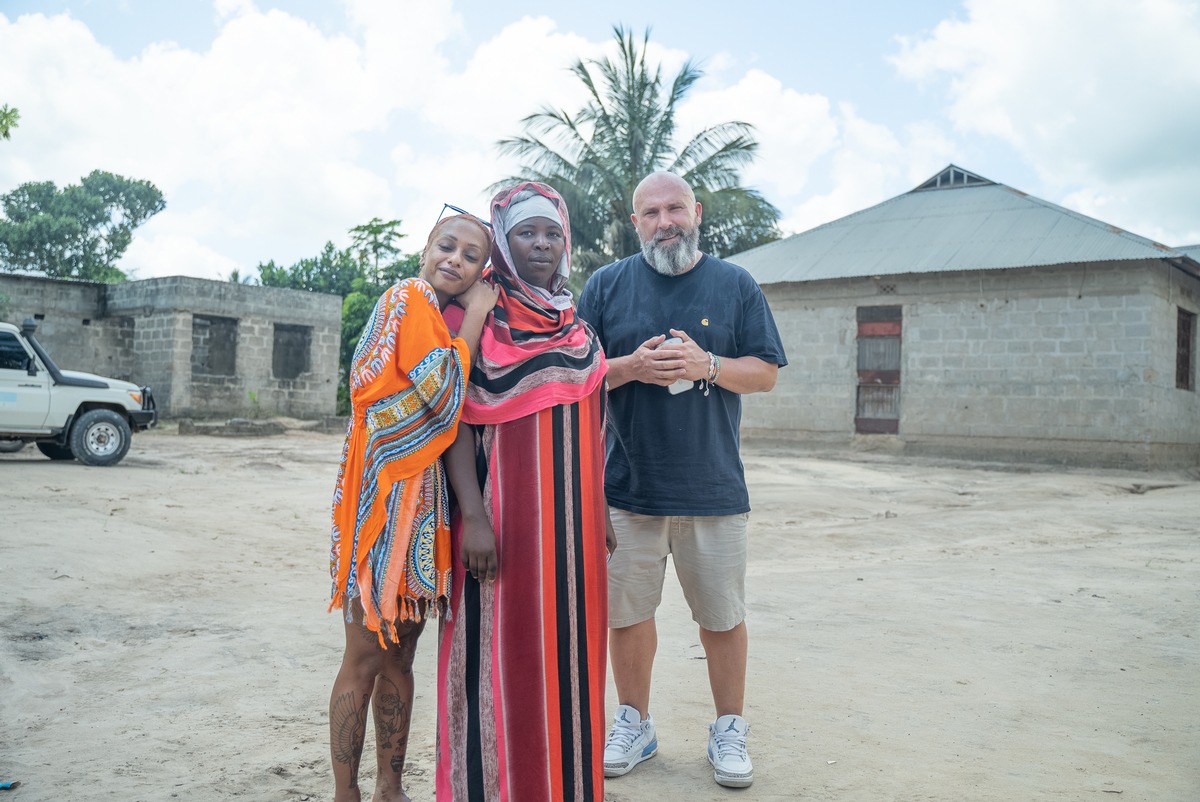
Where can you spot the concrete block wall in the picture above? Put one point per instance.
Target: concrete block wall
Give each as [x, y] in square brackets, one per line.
[1052, 364]
[141, 331]
[72, 323]
[1052, 353]
[253, 390]
[161, 357]
[1176, 411]
[810, 393]
[314, 392]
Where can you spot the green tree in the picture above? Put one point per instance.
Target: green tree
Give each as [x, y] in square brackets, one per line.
[597, 155]
[333, 271]
[8, 121]
[80, 231]
[375, 242]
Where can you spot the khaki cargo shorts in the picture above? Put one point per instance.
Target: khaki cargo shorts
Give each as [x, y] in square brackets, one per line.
[709, 554]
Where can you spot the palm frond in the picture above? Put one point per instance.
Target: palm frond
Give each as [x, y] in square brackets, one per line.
[596, 155]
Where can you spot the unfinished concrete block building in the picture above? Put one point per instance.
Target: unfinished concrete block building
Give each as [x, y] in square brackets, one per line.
[207, 348]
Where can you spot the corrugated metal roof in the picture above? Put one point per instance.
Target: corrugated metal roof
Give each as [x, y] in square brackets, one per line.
[1191, 250]
[981, 226]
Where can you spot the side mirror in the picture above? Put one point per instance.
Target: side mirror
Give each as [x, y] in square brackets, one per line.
[31, 366]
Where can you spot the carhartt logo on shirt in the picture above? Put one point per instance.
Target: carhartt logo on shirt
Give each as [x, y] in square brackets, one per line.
[704, 322]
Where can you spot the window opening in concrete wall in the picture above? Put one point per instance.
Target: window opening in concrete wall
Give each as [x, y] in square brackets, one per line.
[877, 402]
[1185, 351]
[291, 354]
[214, 345]
[12, 355]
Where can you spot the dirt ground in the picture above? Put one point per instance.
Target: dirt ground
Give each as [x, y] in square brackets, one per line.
[920, 630]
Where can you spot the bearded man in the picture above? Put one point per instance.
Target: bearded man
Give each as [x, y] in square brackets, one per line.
[673, 474]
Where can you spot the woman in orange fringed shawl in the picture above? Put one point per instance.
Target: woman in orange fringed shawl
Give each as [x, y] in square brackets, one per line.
[390, 556]
[522, 661]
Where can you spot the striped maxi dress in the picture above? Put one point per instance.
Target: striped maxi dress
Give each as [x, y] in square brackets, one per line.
[522, 660]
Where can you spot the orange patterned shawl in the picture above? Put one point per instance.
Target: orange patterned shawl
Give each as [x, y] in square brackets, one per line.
[390, 535]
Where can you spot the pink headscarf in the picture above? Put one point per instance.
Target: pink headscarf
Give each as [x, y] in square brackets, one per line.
[534, 352]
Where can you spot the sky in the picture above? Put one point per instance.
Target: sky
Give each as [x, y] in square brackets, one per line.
[274, 127]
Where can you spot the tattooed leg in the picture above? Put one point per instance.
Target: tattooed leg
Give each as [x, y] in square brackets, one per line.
[393, 701]
[347, 727]
[362, 661]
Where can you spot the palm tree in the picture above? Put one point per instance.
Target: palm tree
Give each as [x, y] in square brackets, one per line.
[8, 121]
[596, 157]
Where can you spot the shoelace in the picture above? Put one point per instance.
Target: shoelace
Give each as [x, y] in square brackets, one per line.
[731, 745]
[623, 736]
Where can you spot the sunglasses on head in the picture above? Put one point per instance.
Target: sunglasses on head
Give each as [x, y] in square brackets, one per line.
[457, 210]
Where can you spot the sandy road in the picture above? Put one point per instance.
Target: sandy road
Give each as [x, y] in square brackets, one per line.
[919, 631]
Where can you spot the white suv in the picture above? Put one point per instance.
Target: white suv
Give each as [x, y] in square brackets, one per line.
[69, 415]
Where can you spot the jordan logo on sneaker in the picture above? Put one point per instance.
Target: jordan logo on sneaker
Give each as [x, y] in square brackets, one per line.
[731, 727]
[624, 718]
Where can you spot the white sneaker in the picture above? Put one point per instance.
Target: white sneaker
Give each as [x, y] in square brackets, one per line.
[727, 751]
[630, 741]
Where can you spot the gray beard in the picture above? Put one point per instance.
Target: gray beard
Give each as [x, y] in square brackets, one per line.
[672, 260]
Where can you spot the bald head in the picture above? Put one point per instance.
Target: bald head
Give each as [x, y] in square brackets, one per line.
[660, 182]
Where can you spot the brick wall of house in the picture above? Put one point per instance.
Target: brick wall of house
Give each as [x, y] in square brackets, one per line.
[1071, 364]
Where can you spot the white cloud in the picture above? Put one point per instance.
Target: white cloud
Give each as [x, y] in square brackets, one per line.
[427, 180]
[504, 81]
[400, 45]
[521, 70]
[256, 141]
[466, 112]
[232, 8]
[1100, 97]
[866, 165]
[281, 134]
[794, 130]
[153, 256]
[927, 150]
[818, 161]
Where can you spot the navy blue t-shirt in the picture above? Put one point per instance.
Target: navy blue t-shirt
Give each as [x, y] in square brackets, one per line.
[677, 454]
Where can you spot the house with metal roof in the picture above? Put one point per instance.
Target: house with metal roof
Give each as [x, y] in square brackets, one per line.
[967, 318]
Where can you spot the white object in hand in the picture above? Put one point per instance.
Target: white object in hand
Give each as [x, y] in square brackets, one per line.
[679, 385]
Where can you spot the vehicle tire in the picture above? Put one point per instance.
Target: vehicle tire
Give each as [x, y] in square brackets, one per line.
[55, 451]
[100, 437]
[11, 446]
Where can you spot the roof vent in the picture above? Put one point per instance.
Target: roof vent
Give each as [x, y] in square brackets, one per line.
[953, 177]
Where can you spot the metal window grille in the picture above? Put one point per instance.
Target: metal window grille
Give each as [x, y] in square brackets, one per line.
[1185, 351]
[877, 400]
